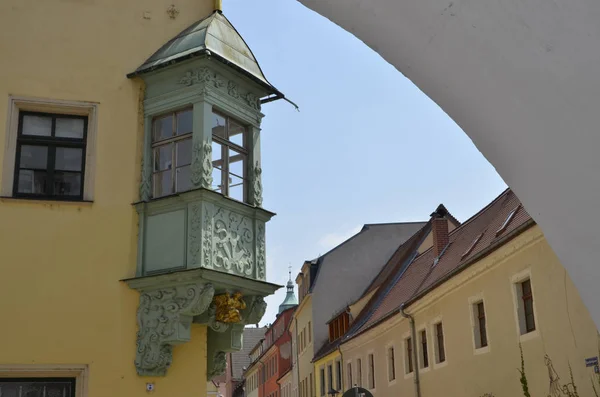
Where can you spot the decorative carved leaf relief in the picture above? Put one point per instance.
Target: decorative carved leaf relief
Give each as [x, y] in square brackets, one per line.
[219, 364]
[195, 230]
[257, 185]
[232, 243]
[164, 318]
[261, 258]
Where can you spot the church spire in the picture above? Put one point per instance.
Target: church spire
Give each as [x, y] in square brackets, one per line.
[290, 298]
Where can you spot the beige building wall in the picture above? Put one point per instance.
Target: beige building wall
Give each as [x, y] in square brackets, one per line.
[564, 330]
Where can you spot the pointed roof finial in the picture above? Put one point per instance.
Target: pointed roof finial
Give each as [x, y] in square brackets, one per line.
[290, 271]
[218, 5]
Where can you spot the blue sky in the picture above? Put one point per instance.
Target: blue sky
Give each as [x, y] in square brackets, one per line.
[366, 147]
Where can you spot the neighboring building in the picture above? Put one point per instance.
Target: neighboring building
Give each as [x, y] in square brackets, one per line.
[271, 358]
[253, 374]
[333, 280]
[285, 383]
[238, 361]
[131, 198]
[329, 367]
[458, 313]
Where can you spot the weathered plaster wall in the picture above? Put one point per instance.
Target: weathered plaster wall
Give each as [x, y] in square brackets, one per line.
[565, 330]
[521, 79]
[347, 270]
[61, 262]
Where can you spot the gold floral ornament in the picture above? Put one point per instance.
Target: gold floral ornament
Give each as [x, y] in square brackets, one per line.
[228, 307]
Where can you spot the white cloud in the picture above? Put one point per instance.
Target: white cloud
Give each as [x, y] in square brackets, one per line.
[332, 240]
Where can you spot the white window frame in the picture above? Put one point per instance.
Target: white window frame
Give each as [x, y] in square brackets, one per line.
[17, 104]
[79, 372]
[359, 371]
[339, 375]
[350, 374]
[422, 369]
[518, 309]
[405, 338]
[436, 358]
[473, 300]
[373, 388]
[388, 346]
[322, 381]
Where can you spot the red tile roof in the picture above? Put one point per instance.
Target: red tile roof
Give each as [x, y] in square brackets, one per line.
[422, 275]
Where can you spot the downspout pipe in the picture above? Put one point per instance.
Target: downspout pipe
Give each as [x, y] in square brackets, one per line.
[415, 360]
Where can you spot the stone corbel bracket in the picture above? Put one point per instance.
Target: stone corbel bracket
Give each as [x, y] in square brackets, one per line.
[224, 338]
[164, 319]
[170, 302]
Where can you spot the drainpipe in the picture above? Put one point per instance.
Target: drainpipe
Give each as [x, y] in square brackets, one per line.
[413, 332]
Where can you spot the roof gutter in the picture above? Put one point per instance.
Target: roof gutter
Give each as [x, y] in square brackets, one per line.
[413, 333]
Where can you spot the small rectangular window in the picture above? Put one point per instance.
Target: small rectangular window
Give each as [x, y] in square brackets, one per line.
[322, 376]
[359, 372]
[229, 156]
[409, 355]
[440, 348]
[311, 384]
[338, 375]
[309, 332]
[526, 314]
[391, 364]
[62, 387]
[473, 244]
[50, 156]
[172, 152]
[349, 374]
[329, 377]
[480, 325]
[424, 352]
[371, 371]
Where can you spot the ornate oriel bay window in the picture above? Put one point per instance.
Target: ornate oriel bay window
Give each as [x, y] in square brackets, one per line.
[201, 248]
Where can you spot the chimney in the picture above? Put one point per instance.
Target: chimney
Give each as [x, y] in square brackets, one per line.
[439, 228]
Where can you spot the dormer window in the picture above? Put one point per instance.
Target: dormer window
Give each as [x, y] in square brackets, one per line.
[229, 151]
[339, 326]
[172, 152]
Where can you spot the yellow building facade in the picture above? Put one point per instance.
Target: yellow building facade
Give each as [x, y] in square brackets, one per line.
[460, 335]
[302, 327]
[75, 270]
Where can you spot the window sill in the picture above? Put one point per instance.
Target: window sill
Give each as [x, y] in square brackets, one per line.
[482, 350]
[440, 365]
[391, 382]
[409, 375]
[529, 336]
[50, 201]
[424, 370]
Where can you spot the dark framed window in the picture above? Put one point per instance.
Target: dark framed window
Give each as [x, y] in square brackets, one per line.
[409, 355]
[349, 375]
[371, 371]
[527, 297]
[322, 375]
[37, 387]
[229, 156]
[359, 372]
[483, 341]
[391, 364]
[424, 352]
[172, 152]
[338, 373]
[50, 157]
[329, 377]
[441, 349]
